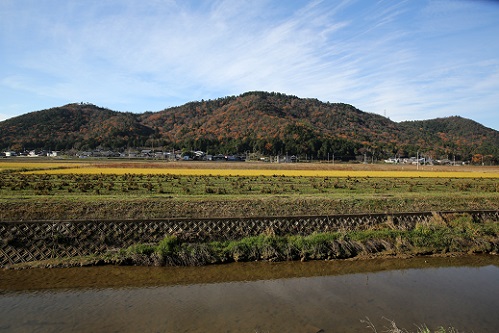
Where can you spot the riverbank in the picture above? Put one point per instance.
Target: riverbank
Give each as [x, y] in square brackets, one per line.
[435, 237]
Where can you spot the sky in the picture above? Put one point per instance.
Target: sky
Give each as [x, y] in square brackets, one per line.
[408, 60]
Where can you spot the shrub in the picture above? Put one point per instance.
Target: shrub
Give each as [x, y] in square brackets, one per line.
[168, 246]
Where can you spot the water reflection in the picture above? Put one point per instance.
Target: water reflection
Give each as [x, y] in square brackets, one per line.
[255, 297]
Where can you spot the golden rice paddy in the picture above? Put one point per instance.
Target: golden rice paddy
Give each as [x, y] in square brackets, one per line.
[249, 169]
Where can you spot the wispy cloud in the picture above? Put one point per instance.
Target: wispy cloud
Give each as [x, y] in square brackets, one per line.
[412, 59]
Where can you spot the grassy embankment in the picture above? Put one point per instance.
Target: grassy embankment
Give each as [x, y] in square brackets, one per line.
[459, 234]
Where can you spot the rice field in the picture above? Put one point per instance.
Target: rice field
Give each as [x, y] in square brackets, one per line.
[158, 189]
[251, 169]
[270, 173]
[187, 180]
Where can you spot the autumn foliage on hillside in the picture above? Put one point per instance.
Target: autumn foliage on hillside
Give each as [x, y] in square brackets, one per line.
[270, 123]
[79, 126]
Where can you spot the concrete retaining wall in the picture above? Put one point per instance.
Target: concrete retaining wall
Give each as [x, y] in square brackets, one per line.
[39, 240]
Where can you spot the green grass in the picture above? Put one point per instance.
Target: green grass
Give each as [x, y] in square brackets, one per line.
[461, 234]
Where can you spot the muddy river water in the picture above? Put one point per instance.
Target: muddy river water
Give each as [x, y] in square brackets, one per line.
[332, 296]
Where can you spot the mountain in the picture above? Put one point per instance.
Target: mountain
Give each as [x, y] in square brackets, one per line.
[71, 126]
[270, 123]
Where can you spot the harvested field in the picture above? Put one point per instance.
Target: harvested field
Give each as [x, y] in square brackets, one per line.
[158, 189]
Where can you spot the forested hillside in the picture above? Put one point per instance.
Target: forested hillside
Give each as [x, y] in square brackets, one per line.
[71, 126]
[269, 123]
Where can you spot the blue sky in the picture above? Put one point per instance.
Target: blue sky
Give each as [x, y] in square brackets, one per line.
[410, 60]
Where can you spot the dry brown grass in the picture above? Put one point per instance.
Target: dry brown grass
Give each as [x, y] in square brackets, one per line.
[293, 166]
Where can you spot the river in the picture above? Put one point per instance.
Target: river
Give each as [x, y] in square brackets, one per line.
[332, 296]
